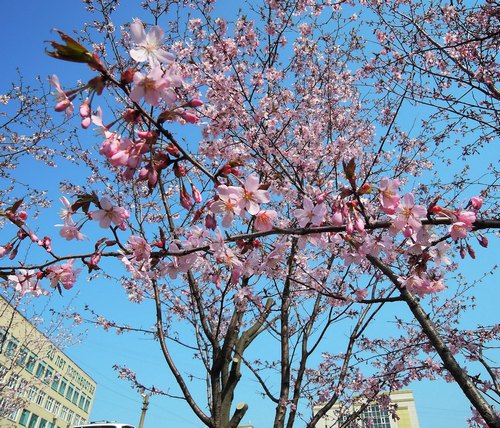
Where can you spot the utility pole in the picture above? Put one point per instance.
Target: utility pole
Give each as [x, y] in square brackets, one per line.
[145, 402]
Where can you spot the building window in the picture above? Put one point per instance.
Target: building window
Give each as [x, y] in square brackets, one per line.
[49, 403]
[62, 386]
[32, 393]
[86, 406]
[40, 398]
[379, 417]
[69, 392]
[55, 382]
[13, 381]
[82, 401]
[49, 373]
[13, 415]
[43, 423]
[40, 370]
[55, 410]
[23, 420]
[31, 363]
[22, 387]
[74, 400]
[70, 416]
[23, 355]
[64, 412]
[3, 371]
[33, 421]
[3, 335]
[373, 416]
[11, 348]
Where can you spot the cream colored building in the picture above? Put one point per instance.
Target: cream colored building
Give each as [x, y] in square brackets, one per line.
[375, 416]
[46, 389]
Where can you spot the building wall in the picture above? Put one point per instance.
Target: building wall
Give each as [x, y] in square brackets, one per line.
[406, 412]
[55, 392]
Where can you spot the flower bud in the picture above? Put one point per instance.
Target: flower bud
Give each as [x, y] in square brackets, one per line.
[179, 170]
[196, 194]
[22, 215]
[197, 214]
[358, 223]
[46, 243]
[190, 117]
[86, 122]
[349, 227]
[172, 150]
[166, 115]
[131, 116]
[471, 251]
[13, 253]
[185, 199]
[127, 75]
[63, 105]
[85, 109]
[476, 202]
[462, 252]
[5, 249]
[210, 222]
[483, 240]
[195, 103]
[364, 189]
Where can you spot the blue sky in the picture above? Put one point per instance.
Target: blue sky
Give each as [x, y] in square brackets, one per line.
[25, 27]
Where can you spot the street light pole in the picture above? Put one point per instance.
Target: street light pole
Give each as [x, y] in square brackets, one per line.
[145, 402]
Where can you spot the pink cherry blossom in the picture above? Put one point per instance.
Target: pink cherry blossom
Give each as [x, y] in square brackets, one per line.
[408, 216]
[264, 220]
[458, 230]
[70, 231]
[228, 203]
[422, 285]
[26, 281]
[361, 293]
[197, 235]
[467, 217]
[97, 120]
[179, 264]
[225, 256]
[129, 153]
[111, 145]
[67, 212]
[63, 274]
[252, 195]
[63, 101]
[139, 247]
[389, 199]
[439, 253]
[149, 45]
[310, 213]
[150, 87]
[476, 202]
[109, 214]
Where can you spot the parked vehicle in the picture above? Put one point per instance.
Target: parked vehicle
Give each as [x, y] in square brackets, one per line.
[104, 424]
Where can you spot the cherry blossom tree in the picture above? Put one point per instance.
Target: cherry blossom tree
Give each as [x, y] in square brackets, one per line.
[271, 176]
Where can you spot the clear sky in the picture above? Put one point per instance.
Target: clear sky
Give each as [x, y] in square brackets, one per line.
[25, 27]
